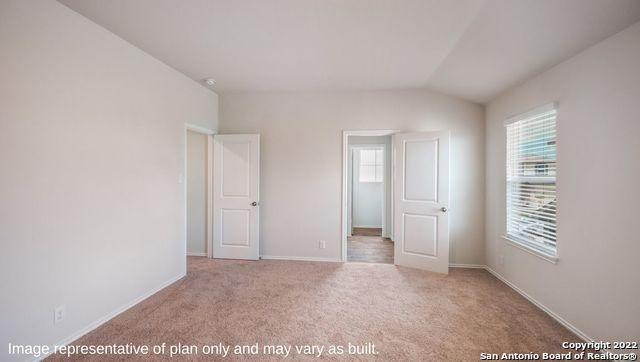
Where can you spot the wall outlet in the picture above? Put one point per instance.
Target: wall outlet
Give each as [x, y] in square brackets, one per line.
[322, 244]
[501, 260]
[58, 314]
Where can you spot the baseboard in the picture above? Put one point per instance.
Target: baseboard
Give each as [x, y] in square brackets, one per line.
[299, 258]
[100, 321]
[553, 315]
[367, 227]
[304, 258]
[469, 266]
[195, 254]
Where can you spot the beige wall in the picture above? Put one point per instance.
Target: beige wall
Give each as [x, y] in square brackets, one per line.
[595, 286]
[301, 135]
[91, 151]
[196, 193]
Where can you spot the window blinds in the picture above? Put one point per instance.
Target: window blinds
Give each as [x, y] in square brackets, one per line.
[371, 165]
[531, 179]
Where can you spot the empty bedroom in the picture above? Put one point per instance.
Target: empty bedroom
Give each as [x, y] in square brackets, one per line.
[393, 180]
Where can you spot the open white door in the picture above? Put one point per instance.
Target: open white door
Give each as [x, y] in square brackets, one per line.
[236, 188]
[421, 194]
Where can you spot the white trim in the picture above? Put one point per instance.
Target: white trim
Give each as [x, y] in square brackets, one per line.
[199, 129]
[368, 227]
[300, 258]
[333, 260]
[195, 254]
[553, 259]
[467, 266]
[209, 193]
[100, 321]
[552, 314]
[345, 171]
[531, 112]
[209, 251]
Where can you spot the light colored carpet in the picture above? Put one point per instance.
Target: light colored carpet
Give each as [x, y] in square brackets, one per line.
[410, 315]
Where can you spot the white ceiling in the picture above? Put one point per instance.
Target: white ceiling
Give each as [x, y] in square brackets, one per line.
[473, 49]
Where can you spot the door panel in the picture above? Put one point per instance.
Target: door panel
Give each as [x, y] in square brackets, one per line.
[421, 192]
[235, 227]
[236, 187]
[420, 234]
[235, 162]
[421, 182]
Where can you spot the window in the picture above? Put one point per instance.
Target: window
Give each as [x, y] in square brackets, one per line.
[531, 179]
[371, 165]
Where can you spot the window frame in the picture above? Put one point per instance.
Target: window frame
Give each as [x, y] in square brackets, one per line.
[375, 164]
[529, 245]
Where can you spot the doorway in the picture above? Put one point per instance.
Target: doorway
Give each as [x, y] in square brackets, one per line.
[369, 198]
[198, 143]
[416, 219]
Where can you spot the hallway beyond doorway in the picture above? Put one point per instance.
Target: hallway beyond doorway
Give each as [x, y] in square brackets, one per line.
[368, 246]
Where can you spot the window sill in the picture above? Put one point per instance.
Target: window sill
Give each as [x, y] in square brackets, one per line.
[553, 259]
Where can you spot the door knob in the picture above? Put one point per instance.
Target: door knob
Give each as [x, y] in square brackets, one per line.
[254, 204]
[444, 209]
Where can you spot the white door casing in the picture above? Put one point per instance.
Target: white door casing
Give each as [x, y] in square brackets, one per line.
[236, 196]
[421, 193]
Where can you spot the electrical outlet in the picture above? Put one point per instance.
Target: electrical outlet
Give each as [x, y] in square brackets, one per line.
[501, 260]
[58, 314]
[322, 244]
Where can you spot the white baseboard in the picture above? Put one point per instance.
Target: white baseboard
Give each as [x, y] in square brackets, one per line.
[470, 266]
[338, 260]
[299, 258]
[544, 308]
[100, 321]
[189, 253]
[368, 226]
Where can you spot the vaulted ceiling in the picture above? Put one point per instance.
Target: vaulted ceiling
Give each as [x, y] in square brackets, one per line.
[472, 49]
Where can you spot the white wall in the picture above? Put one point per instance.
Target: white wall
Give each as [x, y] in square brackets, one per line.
[196, 193]
[301, 135]
[595, 284]
[91, 149]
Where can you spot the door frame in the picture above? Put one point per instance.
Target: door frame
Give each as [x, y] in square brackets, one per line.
[345, 170]
[209, 190]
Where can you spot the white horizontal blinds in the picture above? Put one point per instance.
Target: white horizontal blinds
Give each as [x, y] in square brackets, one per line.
[531, 179]
[371, 165]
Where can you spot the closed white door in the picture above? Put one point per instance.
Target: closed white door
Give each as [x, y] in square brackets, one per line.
[421, 194]
[236, 188]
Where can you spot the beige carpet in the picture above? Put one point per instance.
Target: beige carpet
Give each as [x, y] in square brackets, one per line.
[408, 314]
